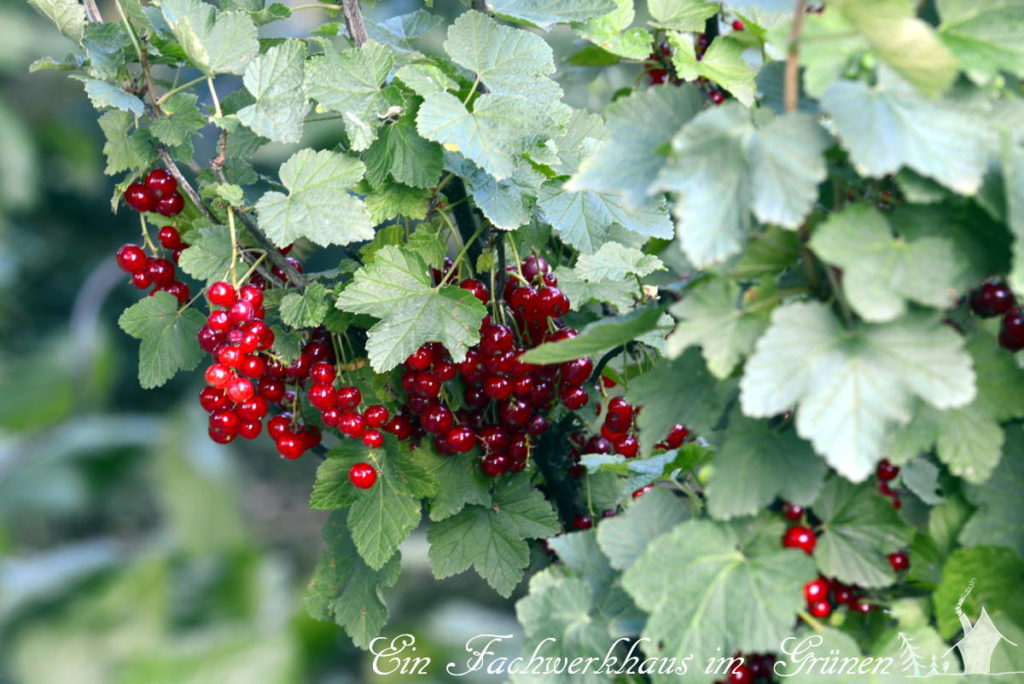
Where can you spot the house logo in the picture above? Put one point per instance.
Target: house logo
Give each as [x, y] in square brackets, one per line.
[976, 647]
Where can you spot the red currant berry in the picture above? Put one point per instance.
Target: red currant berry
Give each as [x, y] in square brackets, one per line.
[460, 439]
[886, 471]
[537, 425]
[643, 490]
[1011, 334]
[534, 266]
[252, 366]
[582, 522]
[349, 397]
[426, 385]
[991, 299]
[279, 426]
[478, 289]
[221, 294]
[401, 427]
[218, 376]
[717, 97]
[241, 311]
[177, 290]
[497, 387]
[437, 420]
[515, 413]
[171, 204]
[373, 439]
[552, 302]
[821, 609]
[420, 359]
[161, 183]
[160, 272]
[861, 605]
[211, 399]
[800, 537]
[494, 438]
[816, 590]
[249, 429]
[494, 465]
[271, 389]
[219, 321]
[220, 437]
[229, 356]
[627, 445]
[363, 475]
[376, 415]
[737, 25]
[139, 198]
[322, 372]
[322, 396]
[290, 446]
[792, 511]
[170, 238]
[577, 371]
[899, 561]
[131, 258]
[253, 408]
[224, 421]
[351, 424]
[240, 389]
[842, 594]
[574, 397]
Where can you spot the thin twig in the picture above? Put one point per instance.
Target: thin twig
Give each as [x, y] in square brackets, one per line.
[354, 21]
[183, 183]
[92, 12]
[792, 85]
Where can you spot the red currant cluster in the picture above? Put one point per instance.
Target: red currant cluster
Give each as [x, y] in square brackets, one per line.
[996, 299]
[504, 403]
[157, 192]
[886, 473]
[750, 668]
[244, 380]
[659, 62]
[617, 435]
[155, 272]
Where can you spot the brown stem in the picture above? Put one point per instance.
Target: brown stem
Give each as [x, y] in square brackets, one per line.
[184, 185]
[792, 84]
[354, 21]
[92, 12]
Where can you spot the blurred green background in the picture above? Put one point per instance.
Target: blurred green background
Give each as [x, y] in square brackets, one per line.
[132, 549]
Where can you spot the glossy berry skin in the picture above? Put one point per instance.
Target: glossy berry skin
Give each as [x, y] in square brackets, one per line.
[582, 522]
[362, 475]
[131, 258]
[374, 439]
[792, 512]
[460, 439]
[859, 605]
[1011, 334]
[627, 446]
[437, 420]
[899, 561]
[741, 674]
[494, 465]
[816, 590]
[138, 197]
[170, 205]
[886, 471]
[991, 299]
[842, 594]
[478, 289]
[717, 97]
[738, 25]
[800, 537]
[222, 294]
[170, 238]
[821, 609]
[160, 272]
[574, 398]
[643, 490]
[376, 416]
[160, 183]
[676, 435]
[349, 397]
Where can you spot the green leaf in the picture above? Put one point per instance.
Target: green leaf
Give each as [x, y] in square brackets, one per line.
[707, 592]
[492, 539]
[306, 309]
[882, 272]
[508, 203]
[849, 387]
[460, 482]
[509, 61]
[105, 95]
[624, 537]
[493, 135]
[181, 121]
[424, 79]
[681, 15]
[768, 253]
[317, 206]
[351, 83]
[613, 261]
[619, 294]
[640, 472]
[344, 589]
[216, 42]
[401, 30]
[985, 36]
[610, 32]
[587, 220]
[68, 15]
[722, 63]
[396, 288]
[890, 126]
[1000, 506]
[383, 516]
[275, 80]
[598, 337]
[168, 337]
[545, 14]
[755, 465]
[773, 170]
[628, 160]
[125, 150]
[208, 256]
[830, 44]
[921, 477]
[993, 575]
[332, 489]
[401, 152]
[859, 529]
[906, 43]
[708, 316]
[396, 200]
[677, 391]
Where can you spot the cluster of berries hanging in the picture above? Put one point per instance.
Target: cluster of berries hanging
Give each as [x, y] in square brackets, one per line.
[659, 65]
[886, 473]
[245, 381]
[504, 403]
[996, 299]
[824, 595]
[153, 271]
[750, 668]
[157, 192]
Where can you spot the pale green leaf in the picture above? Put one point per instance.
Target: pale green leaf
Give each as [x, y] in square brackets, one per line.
[181, 120]
[993, 573]
[317, 206]
[709, 316]
[306, 309]
[681, 15]
[389, 278]
[217, 42]
[168, 337]
[546, 14]
[624, 537]
[850, 387]
[461, 482]
[208, 256]
[395, 200]
[611, 32]
[401, 152]
[618, 294]
[126, 150]
[613, 261]
[68, 15]
[425, 79]
[599, 336]
[586, 220]
[275, 80]
[859, 529]
[755, 465]
[722, 63]
[1000, 506]
[105, 95]
[986, 36]
[507, 203]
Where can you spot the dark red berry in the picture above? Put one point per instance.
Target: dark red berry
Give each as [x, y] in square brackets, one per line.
[899, 561]
[582, 522]
[373, 439]
[460, 439]
[792, 511]
[478, 289]
[362, 475]
[737, 25]
[816, 590]
[160, 272]
[222, 294]
[171, 204]
[139, 198]
[886, 471]
[131, 258]
[161, 183]
[494, 465]
[741, 674]
[574, 397]
[170, 238]
[800, 537]
[991, 299]
[717, 97]
[821, 609]
[1011, 334]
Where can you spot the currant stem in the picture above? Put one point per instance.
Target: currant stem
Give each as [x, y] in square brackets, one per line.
[791, 87]
[213, 96]
[177, 89]
[812, 622]
[316, 5]
[459, 258]
[145, 234]
[234, 246]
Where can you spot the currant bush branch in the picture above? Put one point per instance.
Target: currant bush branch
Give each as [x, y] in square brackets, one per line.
[791, 87]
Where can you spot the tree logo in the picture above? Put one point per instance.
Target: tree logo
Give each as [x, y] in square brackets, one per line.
[976, 647]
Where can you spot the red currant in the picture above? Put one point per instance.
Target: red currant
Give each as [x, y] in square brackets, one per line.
[460, 439]
[991, 299]
[1011, 334]
[821, 609]
[816, 590]
[170, 238]
[899, 561]
[138, 197]
[373, 439]
[800, 537]
[886, 471]
[171, 204]
[131, 258]
[161, 183]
